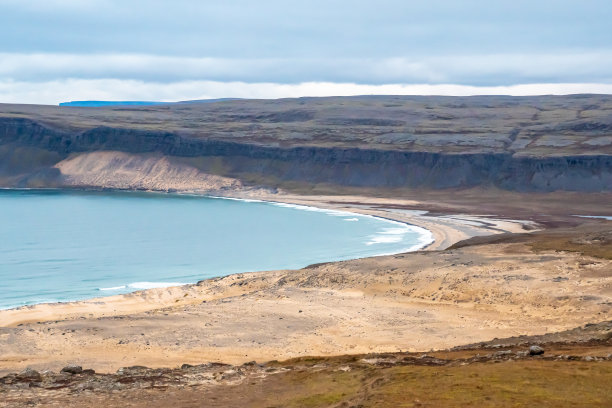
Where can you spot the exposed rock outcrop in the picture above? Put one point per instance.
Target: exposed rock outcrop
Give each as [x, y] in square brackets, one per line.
[431, 145]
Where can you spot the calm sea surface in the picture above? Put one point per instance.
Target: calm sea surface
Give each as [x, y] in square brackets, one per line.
[59, 246]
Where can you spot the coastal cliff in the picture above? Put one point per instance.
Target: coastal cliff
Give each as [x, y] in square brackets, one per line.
[34, 144]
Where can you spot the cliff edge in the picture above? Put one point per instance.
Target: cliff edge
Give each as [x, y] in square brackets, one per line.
[544, 143]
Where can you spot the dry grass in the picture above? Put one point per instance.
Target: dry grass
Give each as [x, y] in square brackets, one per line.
[598, 244]
[525, 383]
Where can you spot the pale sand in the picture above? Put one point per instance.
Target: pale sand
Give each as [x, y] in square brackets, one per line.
[417, 301]
[446, 230]
[118, 170]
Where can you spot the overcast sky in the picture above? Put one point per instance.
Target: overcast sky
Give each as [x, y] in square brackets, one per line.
[57, 50]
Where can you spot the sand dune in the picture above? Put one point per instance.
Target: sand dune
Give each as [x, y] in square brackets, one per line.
[118, 170]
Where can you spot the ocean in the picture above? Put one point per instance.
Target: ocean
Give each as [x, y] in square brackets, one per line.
[60, 246]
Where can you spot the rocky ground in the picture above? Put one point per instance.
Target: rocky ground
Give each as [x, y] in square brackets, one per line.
[572, 368]
[537, 125]
[543, 143]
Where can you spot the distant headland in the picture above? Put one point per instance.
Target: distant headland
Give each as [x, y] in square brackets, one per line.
[97, 104]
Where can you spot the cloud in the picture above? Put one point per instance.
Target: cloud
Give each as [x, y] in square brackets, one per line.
[315, 28]
[490, 69]
[275, 47]
[53, 92]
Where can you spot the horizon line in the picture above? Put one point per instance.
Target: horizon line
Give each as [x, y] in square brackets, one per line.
[119, 90]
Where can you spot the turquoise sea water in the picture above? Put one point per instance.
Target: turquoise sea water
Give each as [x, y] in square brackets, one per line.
[59, 246]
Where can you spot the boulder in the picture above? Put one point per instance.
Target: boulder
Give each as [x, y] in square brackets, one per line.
[536, 350]
[72, 369]
[29, 375]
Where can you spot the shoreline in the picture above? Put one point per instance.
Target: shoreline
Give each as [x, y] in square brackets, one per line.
[441, 233]
[418, 301]
[446, 229]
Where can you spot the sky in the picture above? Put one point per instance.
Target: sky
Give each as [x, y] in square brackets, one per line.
[61, 50]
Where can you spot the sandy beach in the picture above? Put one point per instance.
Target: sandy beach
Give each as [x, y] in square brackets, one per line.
[446, 229]
[418, 301]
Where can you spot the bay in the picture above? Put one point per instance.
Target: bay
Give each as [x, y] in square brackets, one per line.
[70, 245]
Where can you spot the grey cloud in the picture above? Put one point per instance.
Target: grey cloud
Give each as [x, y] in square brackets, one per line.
[311, 29]
[230, 45]
[469, 70]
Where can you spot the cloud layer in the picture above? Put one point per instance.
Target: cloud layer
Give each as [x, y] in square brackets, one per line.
[185, 49]
[53, 92]
[465, 69]
[307, 29]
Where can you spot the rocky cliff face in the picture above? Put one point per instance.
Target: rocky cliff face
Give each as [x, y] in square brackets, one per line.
[30, 151]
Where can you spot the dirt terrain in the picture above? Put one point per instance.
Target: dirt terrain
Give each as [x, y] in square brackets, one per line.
[567, 369]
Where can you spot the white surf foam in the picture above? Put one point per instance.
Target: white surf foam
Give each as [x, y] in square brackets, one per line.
[389, 235]
[335, 213]
[113, 288]
[246, 200]
[425, 237]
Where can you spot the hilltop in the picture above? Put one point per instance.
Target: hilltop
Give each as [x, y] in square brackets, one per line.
[541, 143]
